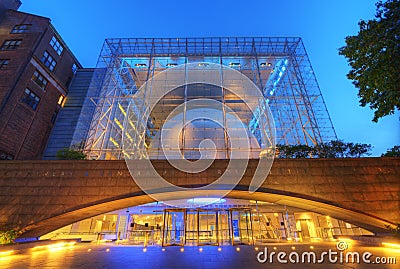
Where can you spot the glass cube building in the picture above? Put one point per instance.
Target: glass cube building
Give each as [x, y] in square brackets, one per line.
[128, 69]
[192, 90]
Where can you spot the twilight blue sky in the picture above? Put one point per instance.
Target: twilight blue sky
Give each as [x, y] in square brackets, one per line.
[323, 25]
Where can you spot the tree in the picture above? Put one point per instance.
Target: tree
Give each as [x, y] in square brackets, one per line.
[69, 154]
[332, 149]
[340, 149]
[374, 57]
[393, 152]
[295, 151]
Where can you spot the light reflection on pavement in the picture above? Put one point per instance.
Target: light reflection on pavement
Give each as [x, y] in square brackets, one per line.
[109, 255]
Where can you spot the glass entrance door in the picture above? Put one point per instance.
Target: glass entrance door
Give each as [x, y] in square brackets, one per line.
[208, 227]
[241, 226]
[224, 231]
[191, 229]
[174, 227]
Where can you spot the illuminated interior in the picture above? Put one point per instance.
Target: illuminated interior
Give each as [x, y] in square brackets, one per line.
[278, 67]
[193, 132]
[224, 222]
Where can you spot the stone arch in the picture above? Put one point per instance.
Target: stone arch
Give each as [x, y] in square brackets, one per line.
[368, 222]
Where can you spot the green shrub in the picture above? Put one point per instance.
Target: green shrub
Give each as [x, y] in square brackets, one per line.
[69, 154]
[393, 152]
[7, 236]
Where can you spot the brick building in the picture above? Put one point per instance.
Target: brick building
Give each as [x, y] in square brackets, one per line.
[36, 68]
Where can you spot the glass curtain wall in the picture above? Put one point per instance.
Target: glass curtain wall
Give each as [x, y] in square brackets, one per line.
[233, 222]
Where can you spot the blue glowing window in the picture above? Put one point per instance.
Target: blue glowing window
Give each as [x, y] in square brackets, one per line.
[48, 61]
[56, 45]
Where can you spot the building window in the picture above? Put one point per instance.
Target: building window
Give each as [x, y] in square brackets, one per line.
[39, 79]
[11, 44]
[61, 100]
[68, 82]
[56, 45]
[6, 156]
[48, 61]
[21, 28]
[31, 99]
[54, 117]
[74, 68]
[4, 63]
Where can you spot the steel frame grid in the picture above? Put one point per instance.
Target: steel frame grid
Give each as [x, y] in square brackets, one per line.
[295, 99]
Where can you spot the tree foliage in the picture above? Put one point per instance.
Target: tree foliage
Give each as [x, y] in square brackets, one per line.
[295, 151]
[393, 152]
[69, 154]
[332, 149]
[7, 235]
[374, 57]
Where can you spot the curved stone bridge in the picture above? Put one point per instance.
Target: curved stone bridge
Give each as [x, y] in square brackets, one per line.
[42, 196]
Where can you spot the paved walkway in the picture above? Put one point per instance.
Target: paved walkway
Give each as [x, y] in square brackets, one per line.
[85, 255]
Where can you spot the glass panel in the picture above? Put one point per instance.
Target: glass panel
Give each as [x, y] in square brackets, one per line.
[191, 227]
[224, 231]
[174, 227]
[208, 227]
[241, 227]
[266, 227]
[145, 229]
